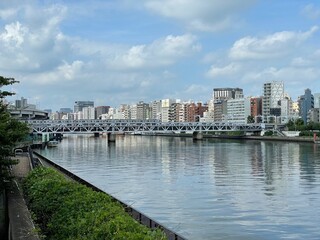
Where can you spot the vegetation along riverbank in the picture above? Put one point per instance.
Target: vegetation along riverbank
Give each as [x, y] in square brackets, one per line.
[68, 210]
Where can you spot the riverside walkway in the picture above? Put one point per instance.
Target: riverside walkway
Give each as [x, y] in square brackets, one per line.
[20, 223]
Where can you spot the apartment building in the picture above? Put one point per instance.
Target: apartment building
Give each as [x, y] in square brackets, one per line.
[273, 92]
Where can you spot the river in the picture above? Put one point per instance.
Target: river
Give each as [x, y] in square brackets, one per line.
[210, 189]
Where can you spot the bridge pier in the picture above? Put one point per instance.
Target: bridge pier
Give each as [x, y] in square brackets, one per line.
[96, 134]
[197, 135]
[111, 137]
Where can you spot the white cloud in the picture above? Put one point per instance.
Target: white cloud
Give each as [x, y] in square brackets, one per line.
[7, 13]
[271, 46]
[229, 70]
[204, 15]
[36, 43]
[311, 11]
[70, 71]
[301, 62]
[290, 75]
[159, 53]
[13, 36]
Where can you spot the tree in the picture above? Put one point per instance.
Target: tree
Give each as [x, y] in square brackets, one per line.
[250, 119]
[11, 132]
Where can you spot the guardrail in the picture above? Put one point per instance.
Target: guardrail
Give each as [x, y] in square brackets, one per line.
[140, 217]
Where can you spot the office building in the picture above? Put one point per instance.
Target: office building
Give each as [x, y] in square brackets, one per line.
[65, 110]
[165, 106]
[255, 106]
[79, 105]
[143, 111]
[88, 113]
[227, 93]
[313, 115]
[306, 102]
[100, 110]
[238, 110]
[156, 110]
[316, 97]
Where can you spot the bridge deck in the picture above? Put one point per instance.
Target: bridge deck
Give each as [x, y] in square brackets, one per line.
[122, 126]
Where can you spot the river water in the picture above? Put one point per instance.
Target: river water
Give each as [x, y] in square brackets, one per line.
[210, 189]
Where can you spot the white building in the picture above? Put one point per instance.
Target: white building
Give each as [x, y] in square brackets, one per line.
[273, 92]
[133, 111]
[316, 97]
[208, 116]
[88, 113]
[238, 110]
[165, 106]
[156, 110]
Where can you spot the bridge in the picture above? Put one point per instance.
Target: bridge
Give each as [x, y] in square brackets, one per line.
[137, 126]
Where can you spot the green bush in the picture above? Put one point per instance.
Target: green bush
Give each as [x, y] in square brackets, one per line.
[268, 133]
[68, 210]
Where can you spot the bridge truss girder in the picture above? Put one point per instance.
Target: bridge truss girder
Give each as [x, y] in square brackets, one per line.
[130, 126]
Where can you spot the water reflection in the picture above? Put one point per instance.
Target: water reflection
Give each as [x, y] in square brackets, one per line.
[221, 188]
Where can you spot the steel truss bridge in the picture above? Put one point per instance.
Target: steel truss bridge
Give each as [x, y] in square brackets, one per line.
[136, 126]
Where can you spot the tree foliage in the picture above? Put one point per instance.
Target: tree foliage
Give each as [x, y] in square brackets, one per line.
[298, 125]
[250, 119]
[11, 132]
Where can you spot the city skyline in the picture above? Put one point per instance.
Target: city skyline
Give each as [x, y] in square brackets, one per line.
[114, 52]
[73, 104]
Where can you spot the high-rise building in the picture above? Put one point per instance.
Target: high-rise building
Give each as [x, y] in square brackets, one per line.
[124, 110]
[88, 113]
[79, 105]
[238, 110]
[156, 110]
[165, 106]
[316, 97]
[255, 106]
[133, 112]
[313, 115]
[143, 111]
[22, 103]
[101, 110]
[195, 111]
[65, 110]
[220, 110]
[227, 93]
[306, 102]
[174, 112]
[273, 92]
[220, 98]
[183, 112]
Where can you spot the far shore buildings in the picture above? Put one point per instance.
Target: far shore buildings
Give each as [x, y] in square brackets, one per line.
[226, 105]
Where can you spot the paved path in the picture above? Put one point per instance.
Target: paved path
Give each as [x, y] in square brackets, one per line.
[21, 225]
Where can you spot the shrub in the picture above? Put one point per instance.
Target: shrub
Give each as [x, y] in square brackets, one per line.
[69, 210]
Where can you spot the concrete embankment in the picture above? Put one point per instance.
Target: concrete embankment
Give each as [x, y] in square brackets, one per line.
[259, 138]
[263, 138]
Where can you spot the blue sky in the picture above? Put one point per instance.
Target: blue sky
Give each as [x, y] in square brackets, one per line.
[125, 51]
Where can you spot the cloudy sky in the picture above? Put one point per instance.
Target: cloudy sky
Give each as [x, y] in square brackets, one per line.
[124, 51]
